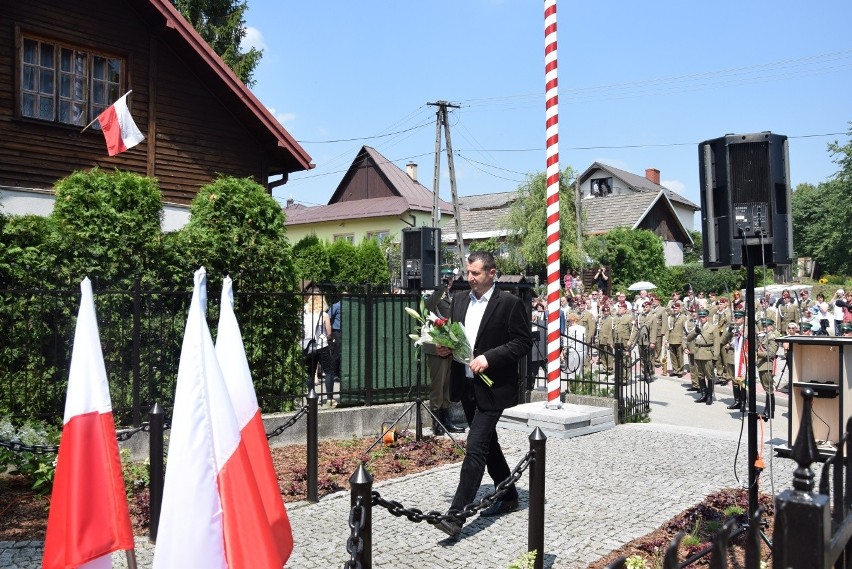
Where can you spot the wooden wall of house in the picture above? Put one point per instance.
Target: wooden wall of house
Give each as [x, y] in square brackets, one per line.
[660, 221]
[367, 182]
[196, 135]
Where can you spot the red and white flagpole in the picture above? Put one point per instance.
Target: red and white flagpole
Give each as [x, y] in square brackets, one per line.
[551, 103]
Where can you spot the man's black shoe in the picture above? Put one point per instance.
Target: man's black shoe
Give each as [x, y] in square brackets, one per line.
[693, 388]
[450, 527]
[734, 405]
[702, 399]
[499, 508]
[451, 428]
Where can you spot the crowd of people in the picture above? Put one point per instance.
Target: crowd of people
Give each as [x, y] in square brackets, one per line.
[697, 333]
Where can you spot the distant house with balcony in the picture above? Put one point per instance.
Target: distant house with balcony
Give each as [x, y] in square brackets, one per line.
[612, 198]
[374, 199]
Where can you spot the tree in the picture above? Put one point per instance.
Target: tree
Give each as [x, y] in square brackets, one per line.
[311, 259]
[633, 254]
[528, 227]
[28, 249]
[693, 254]
[222, 25]
[342, 260]
[372, 263]
[108, 227]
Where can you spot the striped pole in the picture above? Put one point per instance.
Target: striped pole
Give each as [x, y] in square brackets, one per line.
[551, 104]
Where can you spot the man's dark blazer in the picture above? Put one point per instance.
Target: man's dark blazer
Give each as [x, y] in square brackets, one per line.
[503, 337]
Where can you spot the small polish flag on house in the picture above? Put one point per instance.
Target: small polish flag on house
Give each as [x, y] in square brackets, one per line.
[213, 513]
[232, 359]
[120, 132]
[88, 516]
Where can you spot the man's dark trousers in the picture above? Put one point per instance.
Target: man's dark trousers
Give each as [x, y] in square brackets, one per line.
[483, 452]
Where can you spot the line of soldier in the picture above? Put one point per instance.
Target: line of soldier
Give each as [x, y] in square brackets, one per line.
[709, 336]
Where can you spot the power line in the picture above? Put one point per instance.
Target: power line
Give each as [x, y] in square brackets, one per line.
[421, 125]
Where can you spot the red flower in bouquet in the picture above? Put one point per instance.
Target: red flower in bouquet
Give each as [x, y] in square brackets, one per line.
[444, 332]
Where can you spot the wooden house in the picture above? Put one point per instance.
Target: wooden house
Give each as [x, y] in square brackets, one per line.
[62, 63]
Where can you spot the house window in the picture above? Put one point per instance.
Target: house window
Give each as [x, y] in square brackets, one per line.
[379, 236]
[60, 83]
[601, 187]
[350, 237]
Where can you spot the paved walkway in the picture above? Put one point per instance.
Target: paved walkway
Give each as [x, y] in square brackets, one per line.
[603, 490]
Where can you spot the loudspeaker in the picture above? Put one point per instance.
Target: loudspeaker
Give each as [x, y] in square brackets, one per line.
[745, 200]
[421, 266]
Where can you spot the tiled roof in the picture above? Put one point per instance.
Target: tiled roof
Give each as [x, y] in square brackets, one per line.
[639, 183]
[375, 207]
[605, 214]
[488, 201]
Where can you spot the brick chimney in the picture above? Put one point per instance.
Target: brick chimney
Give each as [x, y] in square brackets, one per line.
[411, 170]
[653, 175]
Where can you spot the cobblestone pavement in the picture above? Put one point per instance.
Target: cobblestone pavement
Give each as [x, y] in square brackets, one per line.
[603, 490]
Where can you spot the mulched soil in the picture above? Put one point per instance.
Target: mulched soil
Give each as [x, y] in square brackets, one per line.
[23, 514]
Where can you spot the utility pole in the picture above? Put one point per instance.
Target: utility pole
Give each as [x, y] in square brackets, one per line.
[441, 119]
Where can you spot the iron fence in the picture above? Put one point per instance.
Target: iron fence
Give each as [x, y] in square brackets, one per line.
[141, 334]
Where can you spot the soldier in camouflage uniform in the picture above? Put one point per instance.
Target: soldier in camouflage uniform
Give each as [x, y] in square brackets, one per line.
[660, 314]
[722, 322]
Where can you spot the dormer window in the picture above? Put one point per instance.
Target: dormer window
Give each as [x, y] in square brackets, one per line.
[64, 84]
[601, 187]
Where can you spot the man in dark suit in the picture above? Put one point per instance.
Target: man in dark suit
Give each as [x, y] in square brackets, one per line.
[497, 326]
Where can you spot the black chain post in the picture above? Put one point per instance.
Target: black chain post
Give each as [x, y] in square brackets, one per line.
[156, 416]
[361, 484]
[535, 529]
[313, 447]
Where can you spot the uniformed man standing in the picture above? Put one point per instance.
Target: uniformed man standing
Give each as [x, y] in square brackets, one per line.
[690, 349]
[606, 325]
[788, 311]
[722, 322]
[675, 331]
[646, 336]
[762, 312]
[766, 349]
[660, 316]
[736, 343]
[621, 335]
[706, 337]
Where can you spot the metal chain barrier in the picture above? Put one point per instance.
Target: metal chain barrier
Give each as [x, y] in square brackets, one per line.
[292, 421]
[16, 446]
[122, 436]
[416, 515]
[355, 543]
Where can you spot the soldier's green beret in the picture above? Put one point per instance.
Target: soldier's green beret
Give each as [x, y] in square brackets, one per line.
[740, 314]
[767, 322]
[805, 325]
[846, 327]
[703, 312]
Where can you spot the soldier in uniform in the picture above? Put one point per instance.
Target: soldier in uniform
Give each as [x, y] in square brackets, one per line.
[765, 351]
[670, 309]
[621, 335]
[587, 320]
[846, 329]
[706, 337]
[734, 340]
[788, 311]
[763, 311]
[688, 326]
[659, 314]
[722, 321]
[805, 301]
[646, 336]
[675, 330]
[606, 326]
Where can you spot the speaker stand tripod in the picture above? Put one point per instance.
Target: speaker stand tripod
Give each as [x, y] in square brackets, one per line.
[417, 404]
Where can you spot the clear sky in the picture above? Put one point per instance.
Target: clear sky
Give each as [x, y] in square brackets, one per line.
[640, 84]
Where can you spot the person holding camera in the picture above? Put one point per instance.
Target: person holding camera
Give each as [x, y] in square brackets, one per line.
[839, 304]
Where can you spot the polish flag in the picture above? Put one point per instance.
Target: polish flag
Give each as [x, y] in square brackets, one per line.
[232, 359]
[213, 512]
[88, 516]
[120, 132]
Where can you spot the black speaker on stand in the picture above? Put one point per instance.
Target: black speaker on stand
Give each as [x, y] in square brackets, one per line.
[746, 220]
[421, 264]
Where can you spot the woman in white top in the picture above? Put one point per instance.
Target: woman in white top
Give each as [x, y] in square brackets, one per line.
[316, 330]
